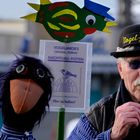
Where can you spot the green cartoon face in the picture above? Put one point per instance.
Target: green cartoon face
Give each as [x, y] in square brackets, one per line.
[66, 22]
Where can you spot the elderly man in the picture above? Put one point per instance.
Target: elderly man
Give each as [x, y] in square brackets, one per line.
[117, 117]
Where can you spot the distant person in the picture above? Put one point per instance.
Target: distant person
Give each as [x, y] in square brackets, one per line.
[117, 117]
[26, 42]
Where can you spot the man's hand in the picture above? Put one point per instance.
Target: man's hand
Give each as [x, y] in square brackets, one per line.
[126, 116]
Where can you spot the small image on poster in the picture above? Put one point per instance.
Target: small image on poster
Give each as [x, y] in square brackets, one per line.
[70, 64]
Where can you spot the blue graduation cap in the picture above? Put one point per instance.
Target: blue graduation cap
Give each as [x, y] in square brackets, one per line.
[98, 9]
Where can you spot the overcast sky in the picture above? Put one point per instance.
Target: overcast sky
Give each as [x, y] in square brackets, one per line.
[14, 9]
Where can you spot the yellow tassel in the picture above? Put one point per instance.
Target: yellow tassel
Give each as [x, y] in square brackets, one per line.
[34, 6]
[31, 17]
[109, 24]
[45, 2]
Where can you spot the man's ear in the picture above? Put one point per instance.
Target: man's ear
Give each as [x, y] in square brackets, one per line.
[120, 69]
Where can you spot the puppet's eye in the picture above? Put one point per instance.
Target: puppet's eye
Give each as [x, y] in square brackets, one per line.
[40, 73]
[20, 68]
[90, 20]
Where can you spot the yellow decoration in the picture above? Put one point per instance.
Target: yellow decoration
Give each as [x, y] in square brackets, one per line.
[45, 2]
[65, 11]
[52, 26]
[75, 27]
[34, 6]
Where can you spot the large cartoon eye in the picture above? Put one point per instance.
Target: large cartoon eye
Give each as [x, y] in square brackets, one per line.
[20, 68]
[40, 73]
[90, 20]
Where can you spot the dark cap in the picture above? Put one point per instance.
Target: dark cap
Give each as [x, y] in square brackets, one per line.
[129, 42]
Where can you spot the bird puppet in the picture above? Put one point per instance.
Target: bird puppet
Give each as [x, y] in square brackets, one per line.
[66, 22]
[26, 91]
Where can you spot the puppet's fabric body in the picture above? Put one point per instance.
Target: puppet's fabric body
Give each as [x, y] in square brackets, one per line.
[26, 91]
[10, 134]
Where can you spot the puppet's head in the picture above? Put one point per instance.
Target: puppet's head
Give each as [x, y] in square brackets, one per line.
[26, 91]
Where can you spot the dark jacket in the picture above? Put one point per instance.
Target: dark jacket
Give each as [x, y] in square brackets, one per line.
[102, 114]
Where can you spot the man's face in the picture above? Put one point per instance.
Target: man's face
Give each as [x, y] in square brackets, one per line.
[130, 73]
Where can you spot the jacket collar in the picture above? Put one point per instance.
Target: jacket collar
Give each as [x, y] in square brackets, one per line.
[122, 96]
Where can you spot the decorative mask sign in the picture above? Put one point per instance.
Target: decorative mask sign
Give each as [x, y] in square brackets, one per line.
[66, 22]
[70, 61]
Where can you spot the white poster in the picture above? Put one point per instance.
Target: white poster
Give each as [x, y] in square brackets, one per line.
[70, 64]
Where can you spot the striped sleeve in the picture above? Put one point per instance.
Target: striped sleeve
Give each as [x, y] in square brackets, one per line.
[85, 131]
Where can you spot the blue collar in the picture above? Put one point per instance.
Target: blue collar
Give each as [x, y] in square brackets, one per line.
[11, 133]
